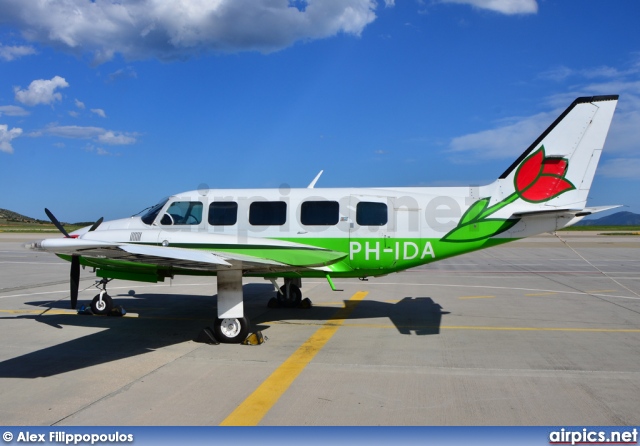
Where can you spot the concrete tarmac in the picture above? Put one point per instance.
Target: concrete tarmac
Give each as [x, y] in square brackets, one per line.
[535, 332]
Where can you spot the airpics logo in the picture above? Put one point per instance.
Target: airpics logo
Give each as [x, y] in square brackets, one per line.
[586, 436]
[67, 438]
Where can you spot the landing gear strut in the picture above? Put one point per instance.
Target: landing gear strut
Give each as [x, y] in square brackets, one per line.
[102, 303]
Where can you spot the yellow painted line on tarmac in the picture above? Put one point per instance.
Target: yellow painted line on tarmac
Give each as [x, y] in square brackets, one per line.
[540, 294]
[40, 311]
[256, 406]
[476, 297]
[474, 327]
[45, 312]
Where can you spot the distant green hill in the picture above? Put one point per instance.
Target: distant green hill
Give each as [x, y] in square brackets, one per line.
[623, 218]
[10, 216]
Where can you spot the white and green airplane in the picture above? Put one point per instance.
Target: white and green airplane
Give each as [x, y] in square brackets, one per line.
[341, 232]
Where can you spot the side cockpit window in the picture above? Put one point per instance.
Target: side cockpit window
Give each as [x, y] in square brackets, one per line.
[150, 216]
[183, 213]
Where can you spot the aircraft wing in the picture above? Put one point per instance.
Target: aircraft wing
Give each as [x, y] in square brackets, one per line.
[272, 256]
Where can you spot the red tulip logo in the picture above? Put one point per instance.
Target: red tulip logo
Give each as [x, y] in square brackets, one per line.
[537, 179]
[540, 178]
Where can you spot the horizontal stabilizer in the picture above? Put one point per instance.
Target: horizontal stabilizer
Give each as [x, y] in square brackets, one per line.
[595, 210]
[575, 212]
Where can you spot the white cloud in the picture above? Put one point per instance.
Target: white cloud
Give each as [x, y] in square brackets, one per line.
[627, 168]
[508, 7]
[561, 73]
[41, 91]
[94, 133]
[10, 53]
[12, 110]
[6, 136]
[113, 138]
[80, 104]
[170, 29]
[504, 141]
[122, 73]
[100, 112]
[75, 131]
[100, 151]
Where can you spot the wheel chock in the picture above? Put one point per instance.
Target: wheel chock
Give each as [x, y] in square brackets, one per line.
[85, 311]
[273, 303]
[254, 339]
[117, 311]
[305, 303]
[206, 337]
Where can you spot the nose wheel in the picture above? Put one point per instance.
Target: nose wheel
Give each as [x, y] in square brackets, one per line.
[102, 303]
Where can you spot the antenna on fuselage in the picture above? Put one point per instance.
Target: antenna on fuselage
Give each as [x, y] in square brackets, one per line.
[315, 180]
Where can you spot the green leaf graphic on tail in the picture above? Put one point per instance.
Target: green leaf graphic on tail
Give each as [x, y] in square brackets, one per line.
[479, 230]
[474, 211]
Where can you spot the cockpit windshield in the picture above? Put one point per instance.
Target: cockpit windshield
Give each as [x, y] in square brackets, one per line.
[150, 216]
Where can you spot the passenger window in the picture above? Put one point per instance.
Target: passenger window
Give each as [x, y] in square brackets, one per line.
[183, 213]
[369, 213]
[223, 213]
[268, 213]
[320, 213]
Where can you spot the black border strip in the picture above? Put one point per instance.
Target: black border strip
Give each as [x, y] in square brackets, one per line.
[582, 100]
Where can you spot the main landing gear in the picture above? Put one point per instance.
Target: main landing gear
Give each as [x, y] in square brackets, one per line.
[231, 330]
[288, 295]
[102, 303]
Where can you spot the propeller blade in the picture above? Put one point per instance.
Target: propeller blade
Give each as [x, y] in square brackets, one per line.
[96, 224]
[75, 280]
[55, 222]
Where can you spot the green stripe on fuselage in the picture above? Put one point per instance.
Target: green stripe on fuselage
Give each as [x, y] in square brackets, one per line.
[362, 257]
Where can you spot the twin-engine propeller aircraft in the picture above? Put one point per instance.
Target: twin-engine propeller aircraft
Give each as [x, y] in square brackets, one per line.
[341, 233]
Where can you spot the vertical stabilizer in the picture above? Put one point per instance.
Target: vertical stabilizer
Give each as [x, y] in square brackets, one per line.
[557, 170]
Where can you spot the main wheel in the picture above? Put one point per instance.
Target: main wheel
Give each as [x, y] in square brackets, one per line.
[231, 330]
[294, 297]
[101, 307]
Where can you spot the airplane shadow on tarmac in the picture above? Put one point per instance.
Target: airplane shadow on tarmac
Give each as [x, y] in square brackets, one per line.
[168, 319]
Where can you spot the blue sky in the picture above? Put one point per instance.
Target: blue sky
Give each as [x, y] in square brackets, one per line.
[106, 107]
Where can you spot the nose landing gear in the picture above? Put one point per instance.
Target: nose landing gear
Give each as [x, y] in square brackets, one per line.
[102, 303]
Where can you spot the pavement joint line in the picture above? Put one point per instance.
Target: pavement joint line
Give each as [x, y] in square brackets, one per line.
[492, 287]
[123, 388]
[476, 297]
[340, 323]
[251, 411]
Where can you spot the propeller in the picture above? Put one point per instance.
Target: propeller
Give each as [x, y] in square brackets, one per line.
[56, 223]
[74, 275]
